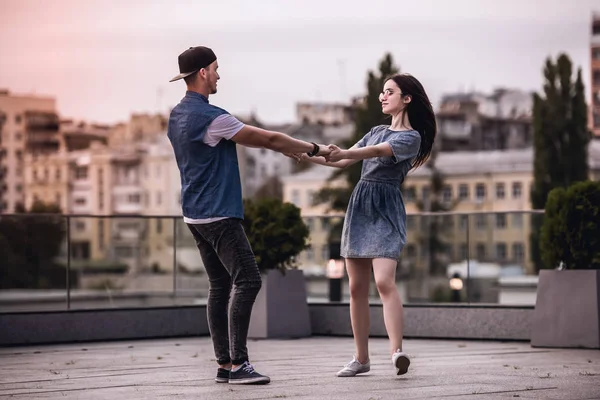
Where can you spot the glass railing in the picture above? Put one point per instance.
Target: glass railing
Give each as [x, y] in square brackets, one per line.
[58, 262]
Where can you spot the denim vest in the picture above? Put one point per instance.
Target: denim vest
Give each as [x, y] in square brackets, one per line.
[210, 176]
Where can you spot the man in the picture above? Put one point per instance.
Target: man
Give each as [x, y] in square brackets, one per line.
[204, 140]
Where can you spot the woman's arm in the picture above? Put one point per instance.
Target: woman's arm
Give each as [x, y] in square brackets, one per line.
[336, 164]
[357, 154]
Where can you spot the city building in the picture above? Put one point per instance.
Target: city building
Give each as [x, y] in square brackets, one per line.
[475, 121]
[31, 124]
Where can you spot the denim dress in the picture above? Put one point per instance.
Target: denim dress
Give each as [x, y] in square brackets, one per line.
[375, 222]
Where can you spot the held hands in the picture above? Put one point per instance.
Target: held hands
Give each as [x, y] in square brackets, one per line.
[336, 154]
[331, 153]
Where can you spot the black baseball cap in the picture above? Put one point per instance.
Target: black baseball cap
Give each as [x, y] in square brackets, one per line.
[193, 60]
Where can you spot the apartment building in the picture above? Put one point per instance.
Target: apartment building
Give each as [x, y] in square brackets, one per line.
[30, 124]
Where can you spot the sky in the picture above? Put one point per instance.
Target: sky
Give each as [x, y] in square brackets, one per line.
[105, 59]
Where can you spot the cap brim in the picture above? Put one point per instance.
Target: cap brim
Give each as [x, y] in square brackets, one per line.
[181, 76]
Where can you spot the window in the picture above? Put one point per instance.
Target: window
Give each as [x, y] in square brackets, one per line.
[480, 191]
[81, 173]
[309, 223]
[517, 220]
[80, 201]
[596, 77]
[158, 198]
[296, 197]
[80, 226]
[410, 194]
[425, 191]
[518, 252]
[411, 251]
[463, 192]
[17, 119]
[501, 251]
[448, 221]
[57, 175]
[134, 198]
[464, 251]
[596, 53]
[159, 226]
[310, 197]
[324, 252]
[500, 221]
[411, 222]
[447, 194]
[57, 199]
[500, 191]
[310, 255]
[124, 252]
[480, 251]
[517, 189]
[464, 220]
[480, 221]
[18, 136]
[101, 235]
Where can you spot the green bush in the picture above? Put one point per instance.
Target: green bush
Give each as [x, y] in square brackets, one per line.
[275, 231]
[571, 229]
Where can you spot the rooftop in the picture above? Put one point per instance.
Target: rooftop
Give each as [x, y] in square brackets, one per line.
[184, 368]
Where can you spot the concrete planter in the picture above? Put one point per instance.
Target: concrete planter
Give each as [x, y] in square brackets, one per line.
[567, 309]
[281, 309]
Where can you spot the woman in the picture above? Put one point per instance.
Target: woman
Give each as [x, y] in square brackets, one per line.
[374, 230]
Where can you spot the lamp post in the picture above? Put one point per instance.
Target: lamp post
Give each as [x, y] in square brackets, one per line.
[456, 285]
[335, 273]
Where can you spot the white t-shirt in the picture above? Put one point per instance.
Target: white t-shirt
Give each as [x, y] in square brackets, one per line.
[225, 126]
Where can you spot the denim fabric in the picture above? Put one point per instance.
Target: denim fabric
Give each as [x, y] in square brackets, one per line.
[228, 260]
[375, 222]
[210, 176]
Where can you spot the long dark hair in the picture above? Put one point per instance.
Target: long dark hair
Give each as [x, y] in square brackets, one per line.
[420, 114]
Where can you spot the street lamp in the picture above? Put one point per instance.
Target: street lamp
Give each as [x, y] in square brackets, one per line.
[456, 285]
[335, 272]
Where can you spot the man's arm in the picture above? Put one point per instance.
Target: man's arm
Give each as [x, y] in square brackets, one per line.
[276, 141]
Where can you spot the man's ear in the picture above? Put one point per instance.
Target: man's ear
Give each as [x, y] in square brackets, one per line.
[202, 72]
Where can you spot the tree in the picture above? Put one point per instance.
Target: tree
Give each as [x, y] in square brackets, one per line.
[560, 139]
[275, 231]
[432, 238]
[29, 243]
[368, 114]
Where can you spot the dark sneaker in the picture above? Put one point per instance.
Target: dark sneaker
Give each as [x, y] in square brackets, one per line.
[222, 375]
[246, 374]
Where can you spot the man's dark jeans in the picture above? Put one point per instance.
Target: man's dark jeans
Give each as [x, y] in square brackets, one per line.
[228, 260]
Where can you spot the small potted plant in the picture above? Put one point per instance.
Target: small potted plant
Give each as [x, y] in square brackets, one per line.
[567, 310]
[277, 234]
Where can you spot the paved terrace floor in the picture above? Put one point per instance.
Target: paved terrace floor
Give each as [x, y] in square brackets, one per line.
[299, 369]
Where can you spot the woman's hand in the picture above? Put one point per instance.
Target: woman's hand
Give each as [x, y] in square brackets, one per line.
[336, 154]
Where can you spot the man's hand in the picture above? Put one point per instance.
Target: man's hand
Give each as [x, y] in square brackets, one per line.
[323, 150]
[336, 154]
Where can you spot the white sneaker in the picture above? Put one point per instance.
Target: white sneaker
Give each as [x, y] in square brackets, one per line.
[353, 368]
[401, 362]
